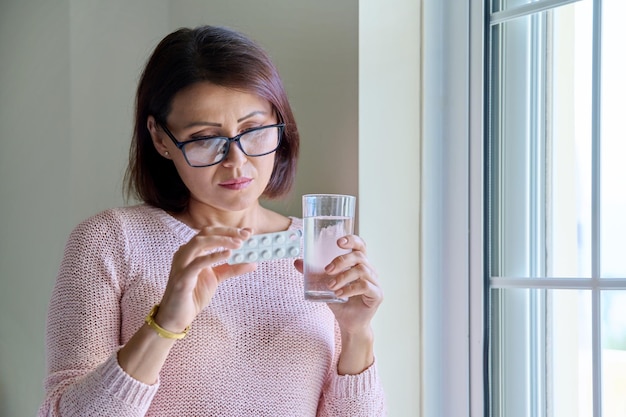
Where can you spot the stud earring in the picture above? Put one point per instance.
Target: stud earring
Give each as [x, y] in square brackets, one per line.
[167, 153]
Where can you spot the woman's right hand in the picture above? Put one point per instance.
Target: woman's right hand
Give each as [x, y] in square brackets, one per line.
[194, 275]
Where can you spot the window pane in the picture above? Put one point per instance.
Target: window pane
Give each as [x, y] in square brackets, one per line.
[514, 176]
[507, 5]
[613, 141]
[541, 356]
[501, 5]
[513, 346]
[545, 352]
[570, 366]
[541, 144]
[570, 138]
[614, 353]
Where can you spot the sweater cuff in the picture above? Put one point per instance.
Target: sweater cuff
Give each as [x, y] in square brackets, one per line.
[345, 386]
[124, 387]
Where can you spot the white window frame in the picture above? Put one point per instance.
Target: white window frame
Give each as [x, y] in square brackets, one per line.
[453, 320]
[453, 223]
[595, 283]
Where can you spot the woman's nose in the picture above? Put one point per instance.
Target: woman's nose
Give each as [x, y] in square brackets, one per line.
[235, 156]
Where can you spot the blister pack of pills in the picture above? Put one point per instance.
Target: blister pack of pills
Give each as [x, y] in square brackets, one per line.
[266, 246]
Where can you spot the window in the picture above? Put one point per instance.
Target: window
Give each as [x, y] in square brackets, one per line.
[556, 202]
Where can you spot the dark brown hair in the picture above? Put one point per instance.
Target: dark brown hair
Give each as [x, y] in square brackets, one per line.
[187, 56]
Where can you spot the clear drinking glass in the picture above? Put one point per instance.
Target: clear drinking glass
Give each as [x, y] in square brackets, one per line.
[326, 218]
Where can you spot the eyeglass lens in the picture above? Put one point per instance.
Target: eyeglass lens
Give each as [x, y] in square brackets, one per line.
[213, 150]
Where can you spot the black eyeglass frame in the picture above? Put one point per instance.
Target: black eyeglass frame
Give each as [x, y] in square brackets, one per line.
[181, 145]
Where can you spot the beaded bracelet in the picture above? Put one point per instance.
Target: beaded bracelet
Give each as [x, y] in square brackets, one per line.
[160, 330]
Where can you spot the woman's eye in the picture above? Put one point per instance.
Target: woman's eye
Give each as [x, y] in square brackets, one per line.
[249, 128]
[200, 137]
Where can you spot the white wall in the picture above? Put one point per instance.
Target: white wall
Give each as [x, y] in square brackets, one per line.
[68, 70]
[389, 186]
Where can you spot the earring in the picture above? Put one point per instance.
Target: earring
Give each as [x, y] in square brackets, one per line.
[167, 153]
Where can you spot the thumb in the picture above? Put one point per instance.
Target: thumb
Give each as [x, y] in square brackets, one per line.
[299, 264]
[225, 271]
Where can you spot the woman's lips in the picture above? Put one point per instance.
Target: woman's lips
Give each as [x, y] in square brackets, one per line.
[236, 183]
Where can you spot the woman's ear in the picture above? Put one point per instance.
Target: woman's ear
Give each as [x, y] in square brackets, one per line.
[157, 139]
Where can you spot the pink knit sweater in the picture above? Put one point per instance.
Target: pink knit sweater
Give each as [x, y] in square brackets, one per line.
[258, 349]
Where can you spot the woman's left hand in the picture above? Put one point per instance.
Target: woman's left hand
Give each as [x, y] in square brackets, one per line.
[356, 279]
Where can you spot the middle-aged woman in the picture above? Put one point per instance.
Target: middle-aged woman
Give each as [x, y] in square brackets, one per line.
[147, 318]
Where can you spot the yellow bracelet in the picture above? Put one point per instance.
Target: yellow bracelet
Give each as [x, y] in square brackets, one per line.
[160, 330]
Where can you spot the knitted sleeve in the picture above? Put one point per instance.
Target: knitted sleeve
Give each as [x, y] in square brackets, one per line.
[83, 327]
[358, 395]
[354, 395]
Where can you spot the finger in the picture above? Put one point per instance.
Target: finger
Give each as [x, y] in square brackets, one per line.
[242, 232]
[206, 269]
[360, 280]
[357, 272]
[226, 271]
[354, 242]
[216, 236]
[353, 288]
[209, 260]
[186, 265]
[200, 244]
[299, 264]
[368, 294]
[345, 261]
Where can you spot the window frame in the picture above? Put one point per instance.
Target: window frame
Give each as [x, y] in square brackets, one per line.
[596, 283]
[453, 293]
[454, 222]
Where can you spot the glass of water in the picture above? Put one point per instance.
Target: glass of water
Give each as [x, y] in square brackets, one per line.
[326, 218]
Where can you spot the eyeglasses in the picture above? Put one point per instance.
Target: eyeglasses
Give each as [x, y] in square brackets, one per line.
[210, 150]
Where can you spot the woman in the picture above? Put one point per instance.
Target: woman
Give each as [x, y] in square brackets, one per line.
[148, 319]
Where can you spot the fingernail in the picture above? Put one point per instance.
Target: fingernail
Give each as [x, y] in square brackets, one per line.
[332, 283]
[343, 241]
[329, 268]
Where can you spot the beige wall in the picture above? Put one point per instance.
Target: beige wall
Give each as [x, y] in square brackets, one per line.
[389, 186]
[67, 74]
[32, 163]
[68, 70]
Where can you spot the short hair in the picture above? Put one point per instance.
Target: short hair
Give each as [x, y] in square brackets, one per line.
[187, 56]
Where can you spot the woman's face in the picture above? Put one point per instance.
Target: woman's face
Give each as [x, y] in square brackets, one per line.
[204, 109]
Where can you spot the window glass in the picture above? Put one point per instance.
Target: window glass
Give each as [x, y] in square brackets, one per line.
[515, 5]
[614, 353]
[613, 165]
[511, 153]
[557, 209]
[569, 354]
[541, 144]
[542, 358]
[501, 5]
[569, 141]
